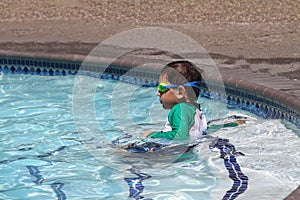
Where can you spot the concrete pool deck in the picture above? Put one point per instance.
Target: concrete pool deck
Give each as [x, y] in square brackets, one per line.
[258, 43]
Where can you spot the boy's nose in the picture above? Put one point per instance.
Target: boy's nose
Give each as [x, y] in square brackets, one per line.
[159, 93]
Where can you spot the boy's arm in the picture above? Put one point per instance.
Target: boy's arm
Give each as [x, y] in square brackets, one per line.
[215, 127]
[146, 133]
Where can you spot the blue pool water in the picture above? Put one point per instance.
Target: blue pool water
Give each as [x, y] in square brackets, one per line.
[45, 156]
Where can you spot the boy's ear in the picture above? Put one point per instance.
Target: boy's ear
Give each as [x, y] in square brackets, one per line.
[180, 92]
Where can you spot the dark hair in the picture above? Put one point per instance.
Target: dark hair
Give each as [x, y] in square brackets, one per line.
[183, 71]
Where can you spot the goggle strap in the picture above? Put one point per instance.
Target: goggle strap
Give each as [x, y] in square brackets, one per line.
[195, 84]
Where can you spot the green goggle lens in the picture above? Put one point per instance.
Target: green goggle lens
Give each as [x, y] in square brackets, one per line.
[162, 87]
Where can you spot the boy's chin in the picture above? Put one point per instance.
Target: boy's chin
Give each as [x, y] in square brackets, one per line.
[167, 107]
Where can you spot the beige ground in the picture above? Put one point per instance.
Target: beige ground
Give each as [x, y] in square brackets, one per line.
[260, 35]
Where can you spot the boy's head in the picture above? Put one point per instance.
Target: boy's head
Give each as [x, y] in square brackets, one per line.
[179, 73]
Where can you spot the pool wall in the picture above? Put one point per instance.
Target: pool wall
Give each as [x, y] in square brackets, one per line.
[242, 93]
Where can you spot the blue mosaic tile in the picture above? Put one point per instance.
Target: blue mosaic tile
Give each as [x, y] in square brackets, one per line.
[31, 71]
[19, 70]
[266, 109]
[6, 69]
[44, 72]
[25, 70]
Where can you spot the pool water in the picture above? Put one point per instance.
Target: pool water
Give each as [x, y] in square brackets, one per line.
[45, 156]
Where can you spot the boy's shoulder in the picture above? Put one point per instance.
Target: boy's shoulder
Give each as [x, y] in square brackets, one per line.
[184, 107]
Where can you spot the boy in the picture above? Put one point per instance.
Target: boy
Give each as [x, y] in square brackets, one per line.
[179, 90]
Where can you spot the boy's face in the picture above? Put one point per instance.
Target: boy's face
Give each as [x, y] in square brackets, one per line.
[168, 99]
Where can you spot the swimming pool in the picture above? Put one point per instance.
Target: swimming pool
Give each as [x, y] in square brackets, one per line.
[44, 156]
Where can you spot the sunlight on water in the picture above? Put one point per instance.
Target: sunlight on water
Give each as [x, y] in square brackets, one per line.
[43, 156]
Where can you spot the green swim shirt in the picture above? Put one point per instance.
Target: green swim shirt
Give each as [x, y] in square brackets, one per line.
[181, 123]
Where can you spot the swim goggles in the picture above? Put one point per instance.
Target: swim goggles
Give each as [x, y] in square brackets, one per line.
[164, 87]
